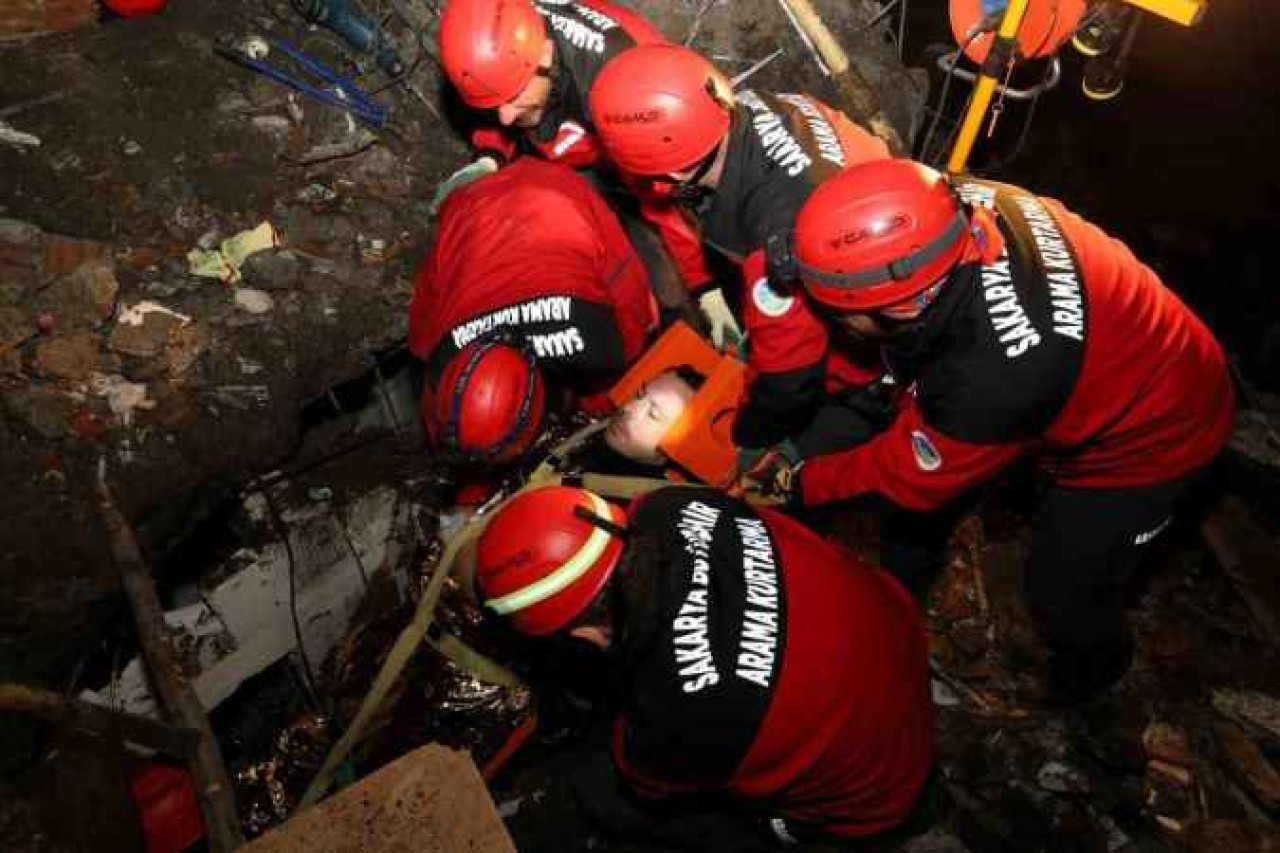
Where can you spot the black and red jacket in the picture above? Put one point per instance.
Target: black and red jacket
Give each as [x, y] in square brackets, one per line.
[774, 667]
[587, 34]
[781, 147]
[534, 249]
[1067, 347]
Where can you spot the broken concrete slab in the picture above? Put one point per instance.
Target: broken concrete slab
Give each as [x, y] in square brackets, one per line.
[240, 617]
[430, 801]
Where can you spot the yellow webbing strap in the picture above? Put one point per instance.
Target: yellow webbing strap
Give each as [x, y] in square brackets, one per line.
[450, 646]
[396, 660]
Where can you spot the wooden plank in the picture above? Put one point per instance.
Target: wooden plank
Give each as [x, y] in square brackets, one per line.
[431, 800]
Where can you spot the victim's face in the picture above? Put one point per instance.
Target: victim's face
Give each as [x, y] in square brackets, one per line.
[640, 424]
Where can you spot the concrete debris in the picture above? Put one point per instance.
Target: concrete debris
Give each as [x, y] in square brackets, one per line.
[123, 397]
[240, 620]
[72, 357]
[1062, 779]
[277, 270]
[144, 329]
[46, 412]
[13, 136]
[83, 299]
[131, 148]
[253, 301]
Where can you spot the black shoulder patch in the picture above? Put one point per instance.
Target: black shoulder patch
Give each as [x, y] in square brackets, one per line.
[1015, 348]
[701, 690]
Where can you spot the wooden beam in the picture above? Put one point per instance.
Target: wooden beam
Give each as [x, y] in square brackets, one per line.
[213, 785]
[173, 741]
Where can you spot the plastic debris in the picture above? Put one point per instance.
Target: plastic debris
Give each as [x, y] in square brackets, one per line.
[224, 263]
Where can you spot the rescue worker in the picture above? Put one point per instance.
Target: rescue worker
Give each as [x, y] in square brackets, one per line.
[530, 280]
[532, 64]
[744, 162]
[1020, 329]
[765, 670]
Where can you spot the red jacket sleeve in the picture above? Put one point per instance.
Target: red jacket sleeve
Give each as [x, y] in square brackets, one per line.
[911, 464]
[494, 139]
[679, 235]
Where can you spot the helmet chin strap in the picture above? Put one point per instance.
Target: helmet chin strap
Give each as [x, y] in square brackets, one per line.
[605, 524]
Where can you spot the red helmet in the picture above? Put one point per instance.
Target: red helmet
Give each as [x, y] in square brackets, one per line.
[660, 108]
[541, 560]
[877, 234]
[490, 49]
[489, 402]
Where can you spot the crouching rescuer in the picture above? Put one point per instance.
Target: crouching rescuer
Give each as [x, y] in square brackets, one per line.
[775, 686]
[531, 299]
[1016, 328]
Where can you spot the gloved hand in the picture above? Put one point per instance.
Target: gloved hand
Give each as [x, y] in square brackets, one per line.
[473, 171]
[725, 332]
[768, 475]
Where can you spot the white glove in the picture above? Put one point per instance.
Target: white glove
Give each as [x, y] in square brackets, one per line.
[473, 171]
[725, 332]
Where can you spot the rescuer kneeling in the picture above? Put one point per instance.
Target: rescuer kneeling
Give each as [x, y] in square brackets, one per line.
[531, 292]
[776, 687]
[1017, 329]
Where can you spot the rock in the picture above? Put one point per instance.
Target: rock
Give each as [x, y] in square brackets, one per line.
[272, 270]
[1232, 836]
[186, 345]
[83, 299]
[277, 127]
[45, 412]
[71, 357]
[15, 327]
[144, 329]
[254, 301]
[1249, 766]
[1061, 779]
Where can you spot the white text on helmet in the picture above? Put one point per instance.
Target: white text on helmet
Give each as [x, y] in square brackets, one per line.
[690, 634]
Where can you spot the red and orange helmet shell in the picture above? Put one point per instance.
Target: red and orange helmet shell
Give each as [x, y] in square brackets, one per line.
[489, 402]
[490, 49]
[877, 234]
[660, 108]
[540, 564]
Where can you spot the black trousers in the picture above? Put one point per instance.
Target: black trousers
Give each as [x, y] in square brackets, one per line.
[1086, 546]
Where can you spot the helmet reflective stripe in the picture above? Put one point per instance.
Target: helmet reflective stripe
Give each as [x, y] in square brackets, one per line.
[574, 568]
[898, 270]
